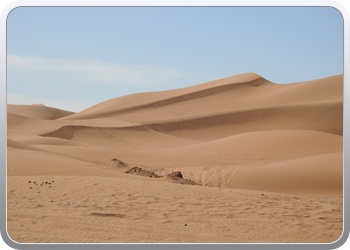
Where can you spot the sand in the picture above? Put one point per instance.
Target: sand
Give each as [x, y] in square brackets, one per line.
[240, 159]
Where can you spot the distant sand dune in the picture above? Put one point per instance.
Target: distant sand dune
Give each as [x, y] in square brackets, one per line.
[38, 111]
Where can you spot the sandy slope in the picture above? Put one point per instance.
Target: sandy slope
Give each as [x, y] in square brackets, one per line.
[38, 111]
[268, 159]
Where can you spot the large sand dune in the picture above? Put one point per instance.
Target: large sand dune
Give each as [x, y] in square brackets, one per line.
[266, 158]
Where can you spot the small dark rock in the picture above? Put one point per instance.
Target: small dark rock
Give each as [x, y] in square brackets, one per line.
[29, 182]
[185, 225]
[142, 172]
[175, 175]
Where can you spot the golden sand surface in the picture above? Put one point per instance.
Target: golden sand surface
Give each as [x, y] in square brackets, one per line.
[258, 162]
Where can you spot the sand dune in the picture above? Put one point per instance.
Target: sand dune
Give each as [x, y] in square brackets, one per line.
[24, 123]
[308, 175]
[266, 146]
[38, 111]
[18, 145]
[220, 124]
[228, 94]
[155, 99]
[268, 159]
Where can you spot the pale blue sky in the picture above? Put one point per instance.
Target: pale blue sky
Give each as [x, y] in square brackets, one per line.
[75, 57]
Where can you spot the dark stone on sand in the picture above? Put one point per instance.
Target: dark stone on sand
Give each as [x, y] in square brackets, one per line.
[142, 172]
[176, 174]
[178, 178]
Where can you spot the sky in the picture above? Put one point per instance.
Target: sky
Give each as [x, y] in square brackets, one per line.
[75, 57]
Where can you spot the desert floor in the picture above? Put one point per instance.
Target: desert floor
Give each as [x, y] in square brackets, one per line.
[258, 162]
